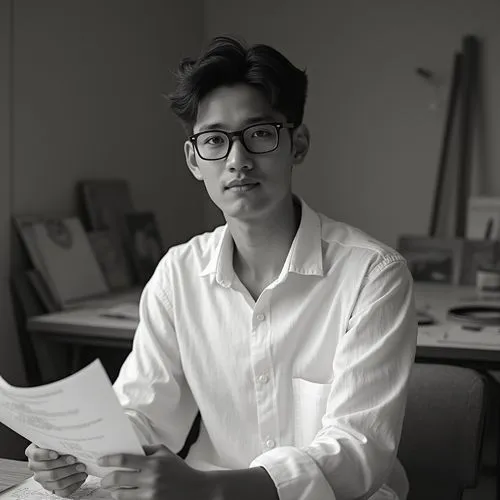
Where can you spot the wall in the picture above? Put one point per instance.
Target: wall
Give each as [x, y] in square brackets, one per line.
[10, 359]
[375, 142]
[88, 78]
[86, 102]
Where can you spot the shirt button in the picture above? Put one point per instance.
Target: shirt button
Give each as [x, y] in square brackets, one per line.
[263, 379]
[261, 317]
[270, 443]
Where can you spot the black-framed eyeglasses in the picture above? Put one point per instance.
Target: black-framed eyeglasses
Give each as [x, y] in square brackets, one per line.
[256, 139]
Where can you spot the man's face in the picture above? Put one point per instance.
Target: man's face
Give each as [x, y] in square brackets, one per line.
[230, 109]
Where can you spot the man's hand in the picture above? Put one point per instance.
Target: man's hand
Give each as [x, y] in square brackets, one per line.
[60, 474]
[160, 474]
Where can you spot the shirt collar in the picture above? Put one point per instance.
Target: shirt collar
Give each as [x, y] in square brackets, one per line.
[304, 257]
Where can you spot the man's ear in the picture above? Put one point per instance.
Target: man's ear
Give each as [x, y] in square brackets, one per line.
[191, 162]
[300, 143]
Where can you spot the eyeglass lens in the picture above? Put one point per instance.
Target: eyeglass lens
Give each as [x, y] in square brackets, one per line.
[257, 139]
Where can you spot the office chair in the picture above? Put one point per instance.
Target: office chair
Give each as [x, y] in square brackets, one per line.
[441, 440]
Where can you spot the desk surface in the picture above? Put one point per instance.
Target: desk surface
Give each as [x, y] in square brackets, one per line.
[12, 472]
[89, 323]
[444, 339]
[448, 340]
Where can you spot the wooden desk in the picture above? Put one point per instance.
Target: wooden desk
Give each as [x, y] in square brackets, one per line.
[447, 341]
[12, 472]
[88, 327]
[85, 326]
[77, 328]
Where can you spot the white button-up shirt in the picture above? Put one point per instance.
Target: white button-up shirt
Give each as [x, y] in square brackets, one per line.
[309, 381]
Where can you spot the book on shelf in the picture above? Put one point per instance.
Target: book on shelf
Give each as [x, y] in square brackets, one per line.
[61, 252]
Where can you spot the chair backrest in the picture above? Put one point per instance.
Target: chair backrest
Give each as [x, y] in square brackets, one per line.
[442, 434]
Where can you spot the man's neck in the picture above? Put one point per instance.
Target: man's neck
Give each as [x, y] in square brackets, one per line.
[260, 249]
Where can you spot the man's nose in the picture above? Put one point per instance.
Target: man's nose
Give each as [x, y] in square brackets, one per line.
[238, 158]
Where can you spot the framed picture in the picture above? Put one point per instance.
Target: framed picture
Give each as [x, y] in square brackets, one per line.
[25, 227]
[483, 218]
[111, 257]
[435, 260]
[145, 243]
[60, 251]
[475, 254]
[105, 202]
[43, 292]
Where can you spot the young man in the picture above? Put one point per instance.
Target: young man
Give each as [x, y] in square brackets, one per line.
[293, 334]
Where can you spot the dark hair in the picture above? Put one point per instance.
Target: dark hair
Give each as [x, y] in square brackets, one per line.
[228, 61]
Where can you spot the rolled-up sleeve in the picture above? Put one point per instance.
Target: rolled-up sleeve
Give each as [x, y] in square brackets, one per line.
[353, 454]
[151, 386]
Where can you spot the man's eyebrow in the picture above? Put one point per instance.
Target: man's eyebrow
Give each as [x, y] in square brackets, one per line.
[246, 123]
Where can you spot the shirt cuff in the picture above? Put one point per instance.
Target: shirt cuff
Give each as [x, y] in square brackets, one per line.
[295, 474]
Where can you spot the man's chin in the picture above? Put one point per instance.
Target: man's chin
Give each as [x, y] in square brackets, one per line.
[241, 211]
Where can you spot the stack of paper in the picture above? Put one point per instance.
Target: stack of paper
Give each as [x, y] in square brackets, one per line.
[30, 489]
[79, 415]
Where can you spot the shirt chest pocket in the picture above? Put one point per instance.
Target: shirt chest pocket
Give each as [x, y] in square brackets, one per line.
[309, 400]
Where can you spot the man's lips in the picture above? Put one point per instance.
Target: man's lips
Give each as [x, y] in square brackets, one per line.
[242, 185]
[242, 188]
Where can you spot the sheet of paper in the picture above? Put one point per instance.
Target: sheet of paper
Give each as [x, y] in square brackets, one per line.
[30, 489]
[79, 415]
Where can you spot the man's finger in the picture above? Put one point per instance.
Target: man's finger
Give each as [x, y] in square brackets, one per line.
[128, 494]
[33, 452]
[43, 475]
[66, 492]
[66, 482]
[122, 479]
[152, 449]
[39, 465]
[122, 460]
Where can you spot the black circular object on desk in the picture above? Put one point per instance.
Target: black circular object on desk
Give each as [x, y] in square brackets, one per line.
[479, 315]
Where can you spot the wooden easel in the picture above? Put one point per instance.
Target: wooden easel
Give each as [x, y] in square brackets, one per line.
[453, 186]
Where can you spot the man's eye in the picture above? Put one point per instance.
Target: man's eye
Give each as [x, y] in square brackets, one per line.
[214, 140]
[261, 134]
